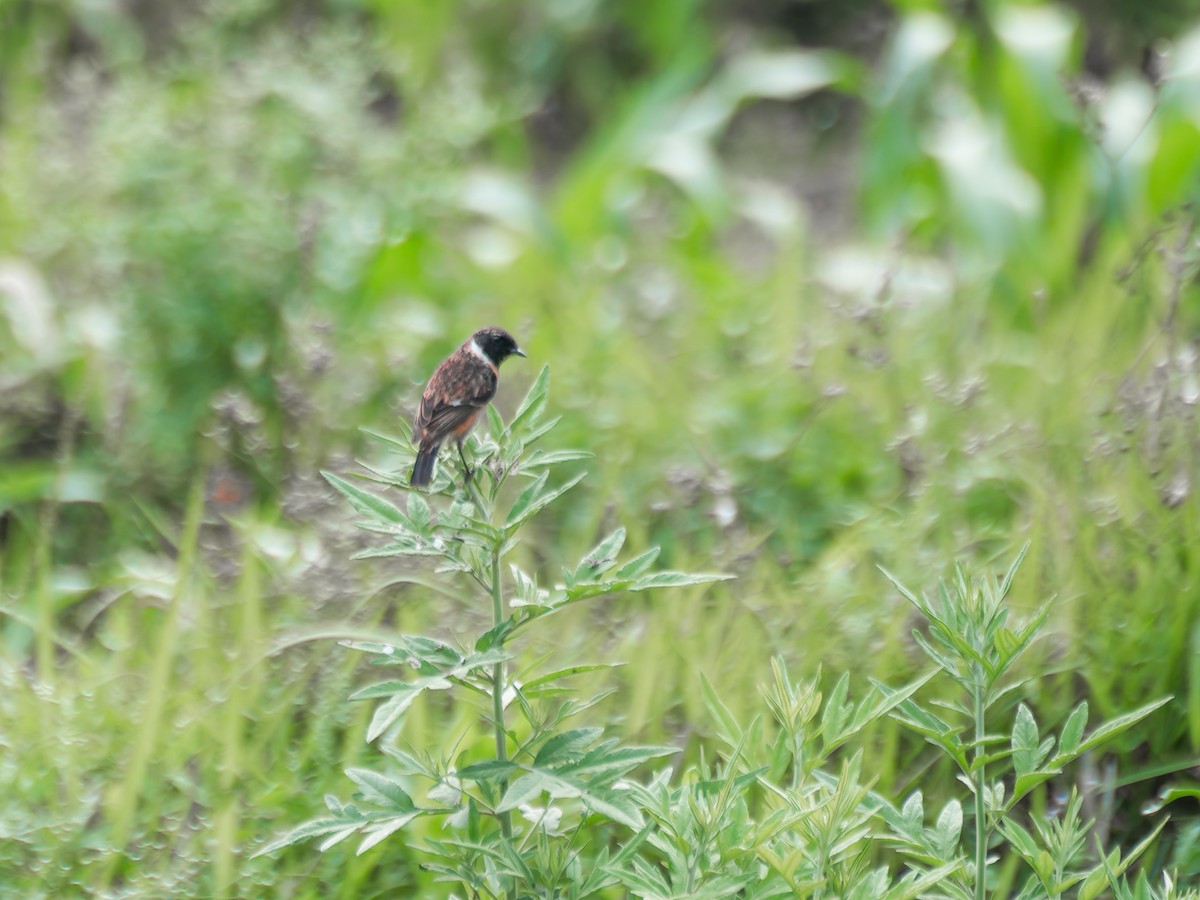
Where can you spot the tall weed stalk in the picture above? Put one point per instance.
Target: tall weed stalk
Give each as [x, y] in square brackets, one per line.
[470, 526]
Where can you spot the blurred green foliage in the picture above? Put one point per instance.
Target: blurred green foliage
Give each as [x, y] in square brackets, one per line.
[822, 285]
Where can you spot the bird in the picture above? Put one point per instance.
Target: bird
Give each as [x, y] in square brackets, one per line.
[457, 394]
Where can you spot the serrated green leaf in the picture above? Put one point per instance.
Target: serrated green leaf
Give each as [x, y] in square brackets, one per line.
[916, 884]
[427, 648]
[419, 519]
[397, 548]
[495, 423]
[1021, 641]
[533, 501]
[1006, 583]
[637, 566]
[948, 663]
[522, 790]
[533, 403]
[553, 458]
[367, 503]
[401, 694]
[534, 434]
[1025, 741]
[305, 832]
[614, 806]
[535, 782]
[379, 831]
[995, 696]
[913, 812]
[1115, 726]
[386, 689]
[920, 720]
[489, 770]
[835, 714]
[727, 723]
[953, 706]
[602, 557]
[609, 763]
[983, 760]
[448, 791]
[410, 764]
[566, 747]
[1144, 844]
[642, 880]
[526, 498]
[566, 673]
[381, 789]
[949, 828]
[485, 535]
[513, 862]
[872, 886]
[495, 636]
[513, 452]
[1043, 865]
[598, 878]
[403, 444]
[337, 837]
[905, 592]
[956, 641]
[675, 579]
[881, 701]
[1027, 782]
[1043, 749]
[1020, 839]
[1096, 881]
[1113, 866]
[588, 589]
[389, 712]
[626, 852]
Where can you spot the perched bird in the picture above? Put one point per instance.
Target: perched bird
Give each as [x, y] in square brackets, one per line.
[457, 394]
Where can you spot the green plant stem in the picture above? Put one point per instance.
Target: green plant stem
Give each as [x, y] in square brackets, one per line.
[498, 687]
[476, 497]
[498, 669]
[498, 703]
[980, 786]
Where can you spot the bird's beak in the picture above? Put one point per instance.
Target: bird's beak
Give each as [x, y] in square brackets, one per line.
[521, 353]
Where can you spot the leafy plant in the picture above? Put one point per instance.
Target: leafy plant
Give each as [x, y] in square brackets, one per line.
[577, 774]
[796, 815]
[781, 816]
[969, 639]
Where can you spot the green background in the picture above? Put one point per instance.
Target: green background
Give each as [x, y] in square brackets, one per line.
[823, 286]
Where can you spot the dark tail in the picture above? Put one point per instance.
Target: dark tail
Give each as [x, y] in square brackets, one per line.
[423, 467]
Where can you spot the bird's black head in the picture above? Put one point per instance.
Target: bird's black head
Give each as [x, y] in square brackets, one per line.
[496, 344]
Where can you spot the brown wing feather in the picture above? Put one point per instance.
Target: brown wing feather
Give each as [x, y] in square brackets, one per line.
[443, 421]
[461, 386]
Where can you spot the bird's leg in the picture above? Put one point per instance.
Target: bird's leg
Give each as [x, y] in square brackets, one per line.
[467, 470]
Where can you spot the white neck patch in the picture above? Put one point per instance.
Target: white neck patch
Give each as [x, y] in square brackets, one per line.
[474, 348]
